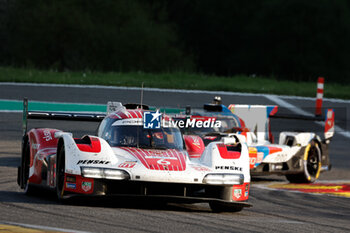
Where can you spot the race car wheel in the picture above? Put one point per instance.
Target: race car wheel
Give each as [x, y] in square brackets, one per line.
[311, 165]
[60, 173]
[218, 207]
[29, 189]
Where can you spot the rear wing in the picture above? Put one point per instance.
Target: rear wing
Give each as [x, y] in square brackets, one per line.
[68, 116]
[81, 116]
[257, 119]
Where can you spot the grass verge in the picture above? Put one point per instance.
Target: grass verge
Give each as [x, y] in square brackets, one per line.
[238, 83]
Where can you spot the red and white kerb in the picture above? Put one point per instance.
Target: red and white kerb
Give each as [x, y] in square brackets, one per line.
[319, 96]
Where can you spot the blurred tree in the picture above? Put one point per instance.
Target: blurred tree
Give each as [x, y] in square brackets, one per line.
[292, 39]
[305, 39]
[105, 35]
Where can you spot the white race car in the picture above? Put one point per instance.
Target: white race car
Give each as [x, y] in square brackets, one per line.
[300, 156]
[126, 158]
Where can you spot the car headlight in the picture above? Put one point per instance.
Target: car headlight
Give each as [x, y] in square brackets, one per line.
[100, 173]
[92, 172]
[224, 179]
[115, 174]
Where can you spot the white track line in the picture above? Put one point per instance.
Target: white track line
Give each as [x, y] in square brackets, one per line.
[166, 90]
[285, 104]
[297, 110]
[11, 111]
[275, 98]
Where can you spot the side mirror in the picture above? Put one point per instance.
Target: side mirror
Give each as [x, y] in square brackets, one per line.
[195, 146]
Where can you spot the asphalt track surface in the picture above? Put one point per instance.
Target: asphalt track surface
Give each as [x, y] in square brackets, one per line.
[272, 211]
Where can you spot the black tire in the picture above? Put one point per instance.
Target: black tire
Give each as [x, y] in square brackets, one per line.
[29, 189]
[312, 165]
[218, 207]
[60, 173]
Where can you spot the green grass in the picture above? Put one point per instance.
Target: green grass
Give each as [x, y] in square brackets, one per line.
[238, 83]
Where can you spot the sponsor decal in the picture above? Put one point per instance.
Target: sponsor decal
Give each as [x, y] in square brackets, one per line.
[113, 106]
[152, 120]
[96, 161]
[171, 159]
[329, 126]
[266, 150]
[232, 168]
[71, 179]
[260, 156]
[237, 193]
[69, 171]
[200, 168]
[47, 135]
[279, 157]
[127, 122]
[210, 137]
[196, 142]
[127, 164]
[35, 146]
[86, 186]
[71, 186]
[252, 161]
[246, 194]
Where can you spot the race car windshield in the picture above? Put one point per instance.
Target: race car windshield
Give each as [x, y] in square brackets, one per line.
[137, 136]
